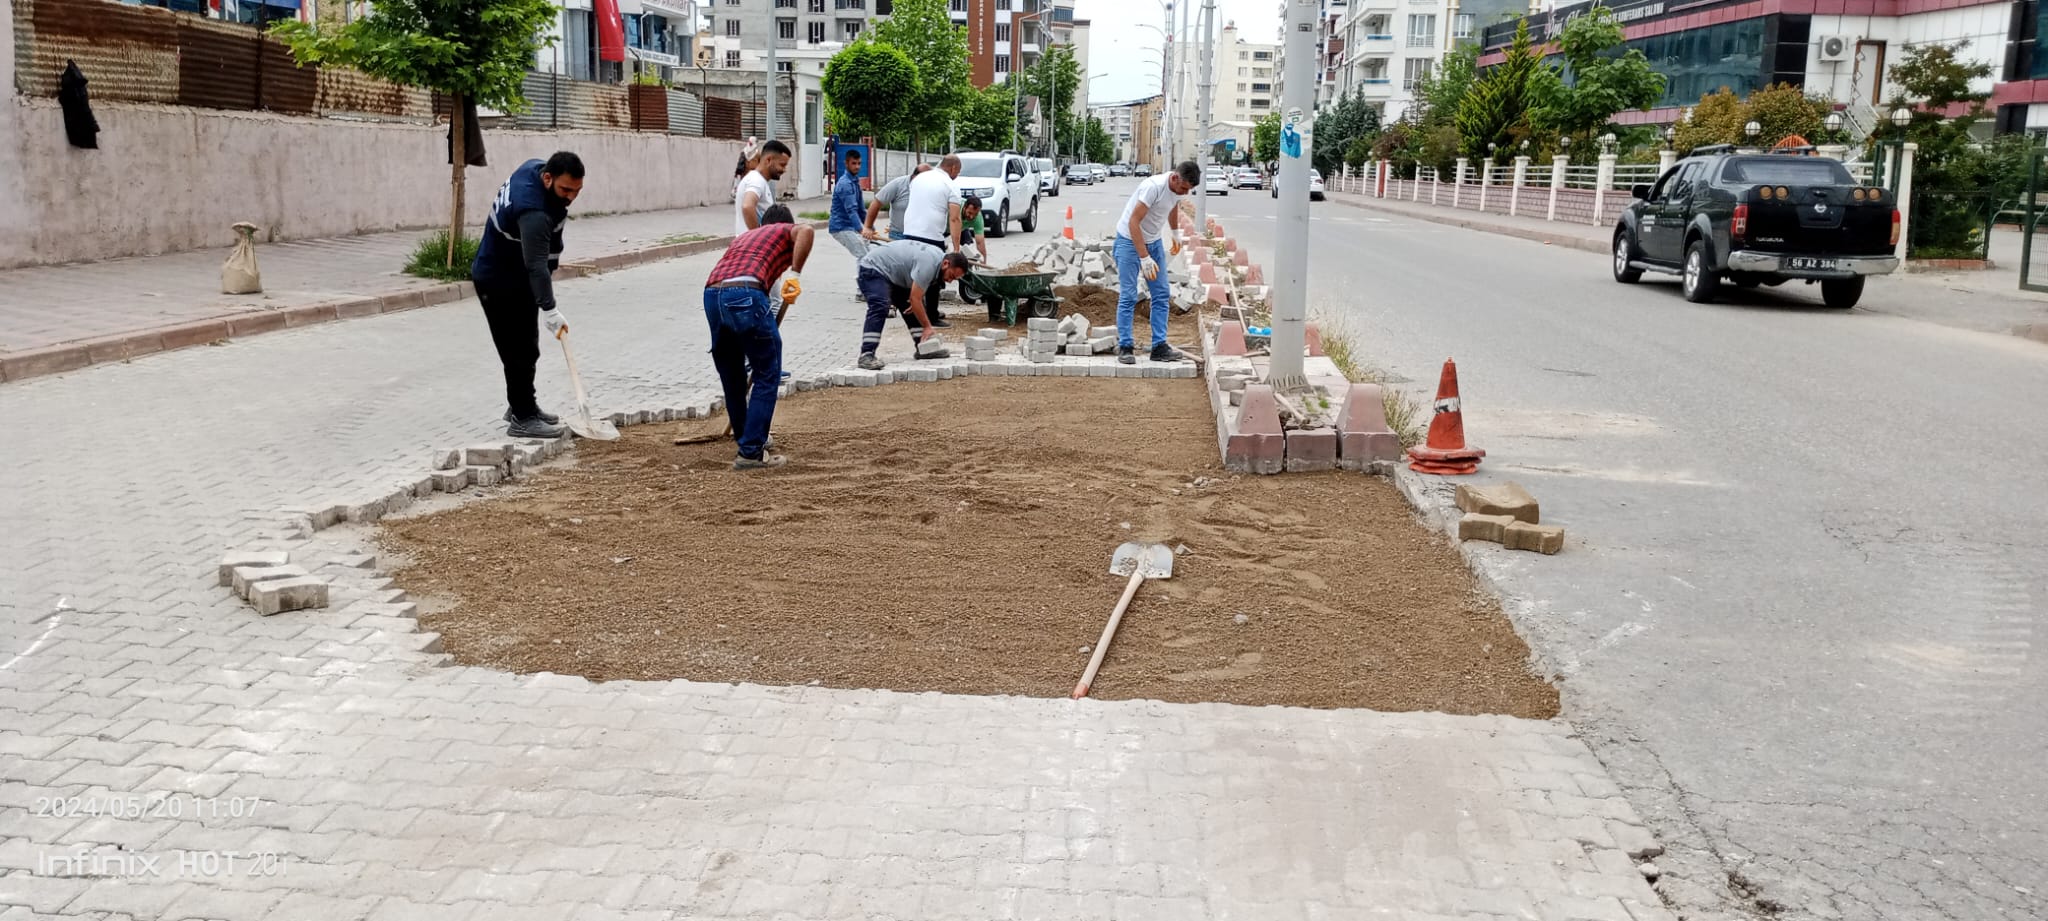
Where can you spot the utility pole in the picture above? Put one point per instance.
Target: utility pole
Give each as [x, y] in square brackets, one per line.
[1208, 96]
[1297, 137]
[1169, 88]
[774, 38]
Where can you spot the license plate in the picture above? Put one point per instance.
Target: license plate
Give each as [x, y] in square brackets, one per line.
[1808, 262]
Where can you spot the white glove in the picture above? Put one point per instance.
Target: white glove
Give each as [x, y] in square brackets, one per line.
[1150, 268]
[556, 324]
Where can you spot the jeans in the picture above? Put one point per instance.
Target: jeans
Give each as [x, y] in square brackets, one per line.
[512, 315]
[854, 243]
[1129, 275]
[743, 340]
[881, 294]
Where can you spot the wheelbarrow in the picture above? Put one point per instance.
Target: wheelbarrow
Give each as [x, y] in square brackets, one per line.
[1007, 294]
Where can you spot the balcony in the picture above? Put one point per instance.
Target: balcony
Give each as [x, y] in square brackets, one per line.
[1373, 46]
[1376, 87]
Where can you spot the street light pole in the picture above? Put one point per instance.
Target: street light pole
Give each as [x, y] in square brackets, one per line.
[1208, 90]
[1297, 139]
[774, 38]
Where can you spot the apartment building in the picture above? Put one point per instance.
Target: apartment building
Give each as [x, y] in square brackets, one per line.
[1246, 75]
[1002, 35]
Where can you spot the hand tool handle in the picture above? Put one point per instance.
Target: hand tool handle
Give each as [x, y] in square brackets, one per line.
[575, 380]
[1108, 631]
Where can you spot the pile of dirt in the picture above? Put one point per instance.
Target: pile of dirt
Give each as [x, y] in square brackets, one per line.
[1098, 304]
[1027, 267]
[956, 538]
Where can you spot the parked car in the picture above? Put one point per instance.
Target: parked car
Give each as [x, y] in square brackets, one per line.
[1315, 185]
[1048, 177]
[1119, 169]
[1101, 172]
[1216, 180]
[1758, 219]
[1249, 178]
[1142, 169]
[1006, 186]
[1080, 174]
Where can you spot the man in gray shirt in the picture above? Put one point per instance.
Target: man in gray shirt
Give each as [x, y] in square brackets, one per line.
[893, 195]
[898, 274]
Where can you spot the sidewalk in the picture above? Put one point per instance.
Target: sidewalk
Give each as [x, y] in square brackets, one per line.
[57, 318]
[1988, 301]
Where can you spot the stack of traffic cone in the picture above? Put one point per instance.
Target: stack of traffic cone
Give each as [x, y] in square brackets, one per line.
[1069, 232]
[1446, 453]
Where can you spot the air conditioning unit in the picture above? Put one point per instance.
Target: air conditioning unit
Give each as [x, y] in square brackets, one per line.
[1836, 47]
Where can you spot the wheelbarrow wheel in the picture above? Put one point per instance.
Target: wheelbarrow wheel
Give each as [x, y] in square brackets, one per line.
[1042, 309]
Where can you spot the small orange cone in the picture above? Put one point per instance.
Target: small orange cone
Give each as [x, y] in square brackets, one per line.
[1445, 452]
[1069, 232]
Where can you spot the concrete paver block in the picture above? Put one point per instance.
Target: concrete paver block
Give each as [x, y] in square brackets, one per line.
[447, 460]
[454, 480]
[1542, 538]
[1362, 431]
[1097, 332]
[1474, 526]
[489, 455]
[281, 595]
[485, 476]
[1042, 325]
[1311, 449]
[993, 334]
[251, 558]
[242, 577]
[1504, 499]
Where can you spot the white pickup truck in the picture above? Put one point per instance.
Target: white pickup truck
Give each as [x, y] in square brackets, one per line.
[1007, 187]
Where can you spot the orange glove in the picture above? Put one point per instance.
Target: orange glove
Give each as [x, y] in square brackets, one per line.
[1174, 248]
[792, 288]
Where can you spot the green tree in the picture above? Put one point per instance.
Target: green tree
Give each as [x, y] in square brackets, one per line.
[1266, 139]
[868, 88]
[1440, 92]
[1952, 173]
[1054, 80]
[471, 50]
[1347, 119]
[1717, 119]
[1782, 110]
[1101, 146]
[1496, 111]
[924, 30]
[1595, 79]
[987, 119]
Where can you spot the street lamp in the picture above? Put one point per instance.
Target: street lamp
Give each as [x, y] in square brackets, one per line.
[1752, 129]
[1671, 137]
[1901, 117]
[1833, 122]
[1607, 143]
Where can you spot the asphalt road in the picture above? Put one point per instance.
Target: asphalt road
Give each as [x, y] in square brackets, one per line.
[1797, 612]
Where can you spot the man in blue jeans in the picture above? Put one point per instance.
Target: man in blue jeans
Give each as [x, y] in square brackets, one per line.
[1151, 220]
[744, 337]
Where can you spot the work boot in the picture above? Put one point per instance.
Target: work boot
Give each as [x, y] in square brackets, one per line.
[542, 415]
[869, 361]
[1126, 355]
[536, 427]
[1164, 352]
[939, 320]
[766, 461]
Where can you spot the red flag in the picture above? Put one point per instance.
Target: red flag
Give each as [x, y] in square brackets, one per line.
[611, 31]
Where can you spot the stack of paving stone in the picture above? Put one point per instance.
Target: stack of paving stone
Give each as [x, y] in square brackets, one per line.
[1042, 342]
[983, 346]
[271, 584]
[1506, 514]
[1081, 340]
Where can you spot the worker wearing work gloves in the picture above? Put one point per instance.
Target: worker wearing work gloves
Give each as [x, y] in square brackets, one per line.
[1154, 209]
[902, 273]
[513, 273]
[744, 339]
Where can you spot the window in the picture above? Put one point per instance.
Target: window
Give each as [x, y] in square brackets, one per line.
[1244, 55]
[732, 28]
[1262, 103]
[732, 59]
[853, 4]
[1412, 70]
[1002, 4]
[1241, 86]
[851, 30]
[1262, 87]
[1461, 27]
[1002, 63]
[1241, 71]
[1002, 31]
[957, 6]
[1422, 30]
[785, 4]
[1262, 55]
[817, 33]
[817, 6]
[785, 28]
[1262, 71]
[1730, 54]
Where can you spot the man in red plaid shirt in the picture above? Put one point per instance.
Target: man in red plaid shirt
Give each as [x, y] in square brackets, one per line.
[744, 337]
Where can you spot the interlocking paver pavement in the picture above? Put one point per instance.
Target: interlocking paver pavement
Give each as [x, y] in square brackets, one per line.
[321, 765]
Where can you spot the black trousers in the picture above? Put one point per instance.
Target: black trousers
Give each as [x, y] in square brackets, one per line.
[512, 315]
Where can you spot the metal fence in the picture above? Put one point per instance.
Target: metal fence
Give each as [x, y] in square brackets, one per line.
[1951, 225]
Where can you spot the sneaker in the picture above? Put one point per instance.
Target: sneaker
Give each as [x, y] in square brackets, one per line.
[543, 415]
[765, 462]
[869, 361]
[939, 321]
[1164, 352]
[1126, 355]
[536, 427]
[785, 377]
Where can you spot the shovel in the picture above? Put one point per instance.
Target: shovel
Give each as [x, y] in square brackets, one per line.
[1140, 562]
[780, 312]
[581, 421]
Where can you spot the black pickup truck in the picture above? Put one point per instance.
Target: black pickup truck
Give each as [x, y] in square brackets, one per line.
[1753, 218]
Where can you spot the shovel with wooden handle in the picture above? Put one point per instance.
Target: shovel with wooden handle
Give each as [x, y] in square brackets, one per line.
[1140, 562]
[780, 312]
[582, 422]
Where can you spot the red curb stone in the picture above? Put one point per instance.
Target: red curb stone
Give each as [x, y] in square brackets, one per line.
[186, 335]
[1230, 338]
[295, 317]
[1314, 338]
[1241, 258]
[1258, 445]
[1207, 274]
[123, 347]
[1219, 295]
[249, 324]
[1311, 449]
[38, 362]
[444, 294]
[1253, 275]
[1363, 435]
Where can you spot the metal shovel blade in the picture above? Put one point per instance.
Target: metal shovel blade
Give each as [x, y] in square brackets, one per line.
[1152, 561]
[582, 422]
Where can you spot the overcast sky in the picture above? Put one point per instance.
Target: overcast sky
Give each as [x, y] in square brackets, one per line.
[1125, 53]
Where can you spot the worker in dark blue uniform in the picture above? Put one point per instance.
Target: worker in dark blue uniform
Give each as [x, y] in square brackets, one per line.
[514, 272]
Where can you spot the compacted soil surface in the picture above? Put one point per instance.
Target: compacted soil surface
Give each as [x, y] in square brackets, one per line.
[956, 537]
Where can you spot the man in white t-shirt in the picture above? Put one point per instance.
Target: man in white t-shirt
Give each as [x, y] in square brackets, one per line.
[757, 191]
[932, 215]
[1152, 213]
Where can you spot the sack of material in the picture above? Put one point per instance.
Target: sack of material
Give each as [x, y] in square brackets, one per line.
[239, 274]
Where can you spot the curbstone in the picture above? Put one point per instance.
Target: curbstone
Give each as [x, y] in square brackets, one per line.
[485, 476]
[491, 455]
[1311, 449]
[1542, 538]
[447, 460]
[993, 334]
[1362, 431]
[1257, 444]
[281, 595]
[1475, 526]
[452, 480]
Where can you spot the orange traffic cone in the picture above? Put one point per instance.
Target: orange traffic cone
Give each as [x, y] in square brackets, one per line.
[1445, 452]
[1069, 232]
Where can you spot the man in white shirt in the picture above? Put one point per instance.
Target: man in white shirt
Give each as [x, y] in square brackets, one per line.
[1152, 213]
[933, 213]
[757, 191]
[893, 197]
